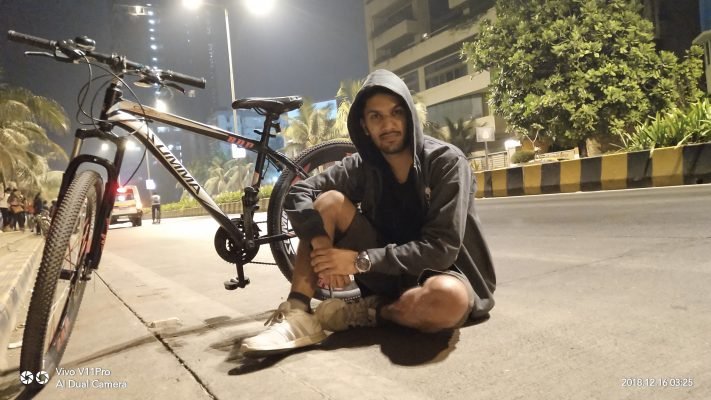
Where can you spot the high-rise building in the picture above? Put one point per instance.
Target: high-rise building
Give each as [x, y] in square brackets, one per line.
[164, 35]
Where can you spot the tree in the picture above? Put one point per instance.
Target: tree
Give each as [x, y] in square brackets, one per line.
[25, 147]
[310, 127]
[458, 133]
[582, 69]
[228, 175]
[462, 135]
[347, 92]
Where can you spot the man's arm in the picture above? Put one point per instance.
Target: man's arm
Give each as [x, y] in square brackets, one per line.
[345, 177]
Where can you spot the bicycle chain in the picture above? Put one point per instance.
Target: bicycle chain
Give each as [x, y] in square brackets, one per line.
[262, 263]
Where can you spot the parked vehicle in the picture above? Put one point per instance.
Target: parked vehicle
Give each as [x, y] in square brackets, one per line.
[127, 206]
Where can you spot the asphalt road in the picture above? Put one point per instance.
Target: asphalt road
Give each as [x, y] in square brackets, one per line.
[600, 296]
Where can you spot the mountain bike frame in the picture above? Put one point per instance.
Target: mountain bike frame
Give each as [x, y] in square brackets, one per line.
[133, 117]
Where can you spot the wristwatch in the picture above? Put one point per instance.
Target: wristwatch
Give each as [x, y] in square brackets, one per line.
[362, 262]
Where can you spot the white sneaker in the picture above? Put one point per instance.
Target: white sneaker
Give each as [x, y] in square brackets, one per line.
[336, 315]
[288, 329]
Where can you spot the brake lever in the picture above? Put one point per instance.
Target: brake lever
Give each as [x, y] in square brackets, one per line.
[174, 86]
[57, 55]
[39, 53]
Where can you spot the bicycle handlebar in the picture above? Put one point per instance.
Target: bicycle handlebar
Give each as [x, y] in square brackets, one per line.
[32, 40]
[74, 51]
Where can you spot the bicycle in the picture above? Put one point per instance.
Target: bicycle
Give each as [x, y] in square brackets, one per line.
[78, 229]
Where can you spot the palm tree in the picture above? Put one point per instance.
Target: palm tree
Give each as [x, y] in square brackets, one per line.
[25, 147]
[421, 110]
[310, 127]
[231, 175]
[347, 92]
[459, 134]
[51, 181]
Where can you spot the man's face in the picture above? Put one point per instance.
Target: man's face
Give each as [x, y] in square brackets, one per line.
[385, 121]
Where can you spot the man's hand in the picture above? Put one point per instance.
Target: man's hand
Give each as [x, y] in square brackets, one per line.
[331, 261]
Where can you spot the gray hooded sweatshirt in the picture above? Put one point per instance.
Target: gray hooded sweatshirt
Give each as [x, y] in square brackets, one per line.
[450, 235]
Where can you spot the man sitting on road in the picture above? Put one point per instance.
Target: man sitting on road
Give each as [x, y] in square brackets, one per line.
[398, 217]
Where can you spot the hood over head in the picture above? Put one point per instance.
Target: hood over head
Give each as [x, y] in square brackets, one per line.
[388, 80]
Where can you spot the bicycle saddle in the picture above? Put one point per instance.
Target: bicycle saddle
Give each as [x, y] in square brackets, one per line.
[271, 105]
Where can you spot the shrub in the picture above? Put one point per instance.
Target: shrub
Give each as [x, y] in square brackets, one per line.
[222, 198]
[522, 156]
[673, 128]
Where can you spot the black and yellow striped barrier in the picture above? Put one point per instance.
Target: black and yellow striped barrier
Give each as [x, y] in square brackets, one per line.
[666, 166]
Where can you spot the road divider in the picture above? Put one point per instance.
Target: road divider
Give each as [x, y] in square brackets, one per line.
[668, 166]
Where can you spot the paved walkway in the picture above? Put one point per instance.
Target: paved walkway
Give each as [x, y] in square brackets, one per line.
[20, 254]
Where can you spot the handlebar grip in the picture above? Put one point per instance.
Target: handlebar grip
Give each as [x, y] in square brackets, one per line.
[182, 78]
[31, 40]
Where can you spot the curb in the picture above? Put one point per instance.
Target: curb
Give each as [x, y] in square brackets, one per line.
[20, 282]
[666, 166]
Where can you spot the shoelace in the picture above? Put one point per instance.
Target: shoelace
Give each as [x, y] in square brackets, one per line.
[279, 314]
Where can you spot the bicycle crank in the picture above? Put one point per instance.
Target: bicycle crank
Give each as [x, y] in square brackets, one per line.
[236, 251]
[231, 251]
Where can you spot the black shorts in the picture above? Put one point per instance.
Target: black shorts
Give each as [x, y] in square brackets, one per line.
[360, 236]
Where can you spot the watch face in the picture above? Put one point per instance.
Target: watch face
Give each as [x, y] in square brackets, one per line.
[363, 263]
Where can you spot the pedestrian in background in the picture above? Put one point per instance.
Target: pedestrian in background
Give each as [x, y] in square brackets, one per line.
[38, 206]
[5, 209]
[155, 207]
[52, 208]
[17, 209]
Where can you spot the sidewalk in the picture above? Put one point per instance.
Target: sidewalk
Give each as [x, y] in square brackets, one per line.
[20, 254]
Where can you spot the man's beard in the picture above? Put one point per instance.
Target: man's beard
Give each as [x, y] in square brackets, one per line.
[397, 148]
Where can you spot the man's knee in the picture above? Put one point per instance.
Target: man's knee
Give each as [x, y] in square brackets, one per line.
[449, 294]
[335, 206]
[330, 200]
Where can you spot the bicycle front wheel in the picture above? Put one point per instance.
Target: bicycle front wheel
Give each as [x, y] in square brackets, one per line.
[314, 160]
[61, 278]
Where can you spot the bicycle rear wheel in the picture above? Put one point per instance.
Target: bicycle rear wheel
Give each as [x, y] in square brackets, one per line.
[61, 278]
[314, 160]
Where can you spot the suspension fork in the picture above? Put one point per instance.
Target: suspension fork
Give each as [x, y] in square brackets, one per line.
[105, 200]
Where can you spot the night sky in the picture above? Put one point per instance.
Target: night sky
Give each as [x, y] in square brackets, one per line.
[308, 48]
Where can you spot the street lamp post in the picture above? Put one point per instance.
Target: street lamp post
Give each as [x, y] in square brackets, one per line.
[257, 7]
[231, 70]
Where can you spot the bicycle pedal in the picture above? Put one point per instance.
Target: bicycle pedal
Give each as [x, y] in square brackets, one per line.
[231, 284]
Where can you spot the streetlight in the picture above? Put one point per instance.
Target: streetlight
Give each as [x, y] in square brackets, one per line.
[259, 7]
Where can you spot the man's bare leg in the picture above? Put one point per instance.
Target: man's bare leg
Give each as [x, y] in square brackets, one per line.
[440, 303]
[337, 213]
[292, 325]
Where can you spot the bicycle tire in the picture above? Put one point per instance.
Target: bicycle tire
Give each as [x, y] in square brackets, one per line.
[70, 234]
[314, 160]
